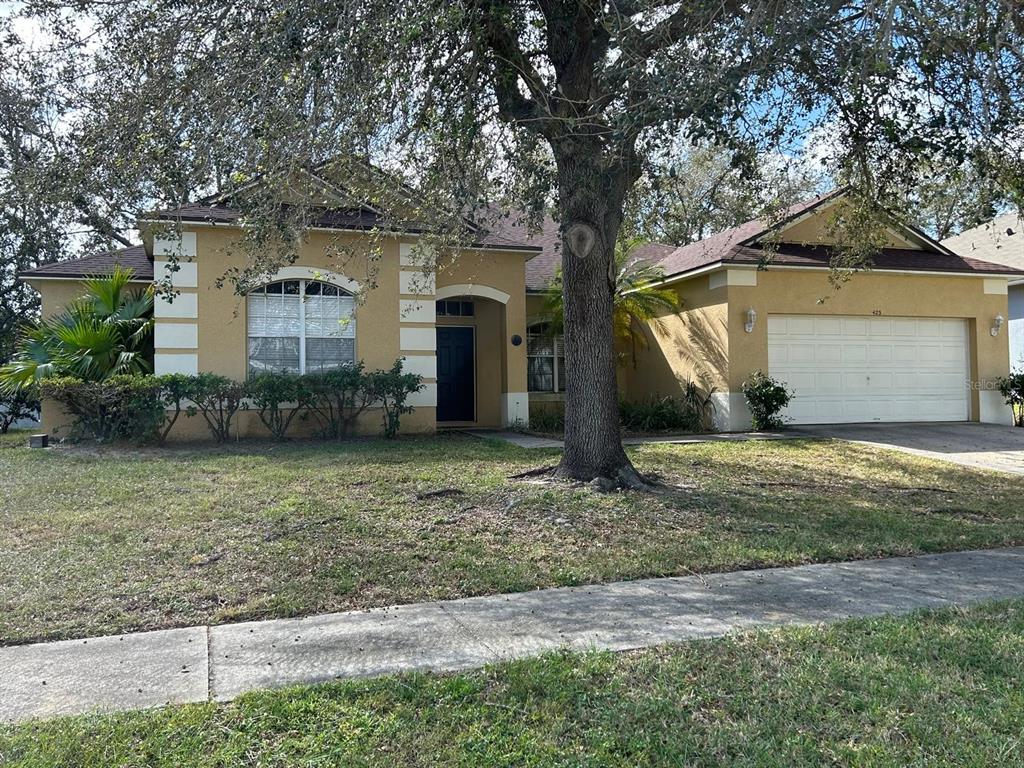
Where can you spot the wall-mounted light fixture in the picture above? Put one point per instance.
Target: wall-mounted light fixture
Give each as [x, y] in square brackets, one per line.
[997, 325]
[751, 320]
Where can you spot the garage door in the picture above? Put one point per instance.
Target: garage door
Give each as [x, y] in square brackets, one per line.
[856, 369]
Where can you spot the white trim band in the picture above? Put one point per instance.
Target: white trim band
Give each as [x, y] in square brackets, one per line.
[185, 276]
[470, 289]
[417, 339]
[416, 311]
[416, 283]
[176, 335]
[184, 305]
[164, 362]
[423, 365]
[515, 408]
[426, 397]
[296, 272]
[181, 247]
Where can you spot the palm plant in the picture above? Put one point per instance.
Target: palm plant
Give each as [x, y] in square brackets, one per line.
[101, 334]
[638, 298]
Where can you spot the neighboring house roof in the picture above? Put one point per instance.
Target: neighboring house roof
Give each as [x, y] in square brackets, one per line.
[1000, 241]
[133, 258]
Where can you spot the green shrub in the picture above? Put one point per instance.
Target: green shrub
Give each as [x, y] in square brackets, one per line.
[1012, 388]
[278, 399]
[689, 412]
[658, 413]
[765, 398]
[548, 420]
[118, 408]
[175, 392]
[337, 398]
[390, 389]
[18, 404]
[218, 399]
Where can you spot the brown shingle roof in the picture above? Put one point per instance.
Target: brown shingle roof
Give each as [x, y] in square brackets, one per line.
[133, 258]
[903, 259]
[333, 218]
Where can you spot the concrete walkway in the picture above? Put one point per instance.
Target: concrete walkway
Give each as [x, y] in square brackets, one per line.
[539, 441]
[187, 665]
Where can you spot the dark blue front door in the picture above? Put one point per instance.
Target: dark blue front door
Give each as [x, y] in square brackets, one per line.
[456, 398]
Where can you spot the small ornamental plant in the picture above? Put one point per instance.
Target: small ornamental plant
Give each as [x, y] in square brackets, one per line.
[1012, 388]
[766, 398]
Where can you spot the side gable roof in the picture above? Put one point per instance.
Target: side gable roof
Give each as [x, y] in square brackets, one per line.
[133, 258]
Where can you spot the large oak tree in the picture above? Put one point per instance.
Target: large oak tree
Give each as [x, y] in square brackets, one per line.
[545, 101]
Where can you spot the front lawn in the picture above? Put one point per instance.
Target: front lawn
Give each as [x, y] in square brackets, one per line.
[941, 688]
[99, 541]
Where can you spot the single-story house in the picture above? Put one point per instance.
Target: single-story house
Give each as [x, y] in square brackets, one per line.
[914, 339]
[1001, 241]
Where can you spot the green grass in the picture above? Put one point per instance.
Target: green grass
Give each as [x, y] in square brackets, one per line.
[932, 689]
[98, 541]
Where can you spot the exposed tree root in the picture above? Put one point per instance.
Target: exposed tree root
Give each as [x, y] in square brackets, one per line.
[625, 477]
[536, 472]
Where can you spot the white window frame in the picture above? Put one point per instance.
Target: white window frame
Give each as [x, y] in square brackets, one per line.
[556, 347]
[302, 320]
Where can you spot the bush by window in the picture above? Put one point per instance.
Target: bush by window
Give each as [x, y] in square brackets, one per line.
[300, 326]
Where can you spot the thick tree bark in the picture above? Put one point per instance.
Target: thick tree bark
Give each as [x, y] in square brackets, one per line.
[591, 195]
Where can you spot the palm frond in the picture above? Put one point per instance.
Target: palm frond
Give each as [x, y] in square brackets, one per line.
[97, 335]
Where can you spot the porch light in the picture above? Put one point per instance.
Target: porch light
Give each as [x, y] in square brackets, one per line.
[997, 325]
[751, 319]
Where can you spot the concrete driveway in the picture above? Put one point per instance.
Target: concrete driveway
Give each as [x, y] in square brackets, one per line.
[986, 446]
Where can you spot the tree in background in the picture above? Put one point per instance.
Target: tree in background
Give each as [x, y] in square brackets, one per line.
[950, 199]
[552, 101]
[696, 191]
[59, 198]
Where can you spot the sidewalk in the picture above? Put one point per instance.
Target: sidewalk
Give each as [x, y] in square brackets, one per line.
[539, 441]
[220, 662]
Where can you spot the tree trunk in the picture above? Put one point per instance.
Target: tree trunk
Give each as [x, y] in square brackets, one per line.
[590, 203]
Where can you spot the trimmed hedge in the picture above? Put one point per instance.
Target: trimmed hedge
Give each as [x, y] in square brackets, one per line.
[145, 408]
[121, 407]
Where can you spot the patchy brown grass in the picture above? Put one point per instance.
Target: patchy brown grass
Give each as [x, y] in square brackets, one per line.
[100, 541]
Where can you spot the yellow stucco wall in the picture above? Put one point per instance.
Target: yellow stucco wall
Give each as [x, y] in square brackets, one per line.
[820, 229]
[781, 291]
[222, 322]
[505, 272]
[693, 346]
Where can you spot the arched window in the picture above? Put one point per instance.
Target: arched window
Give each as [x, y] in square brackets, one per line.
[545, 359]
[300, 326]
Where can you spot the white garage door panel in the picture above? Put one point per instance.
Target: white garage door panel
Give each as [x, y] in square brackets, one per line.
[854, 369]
